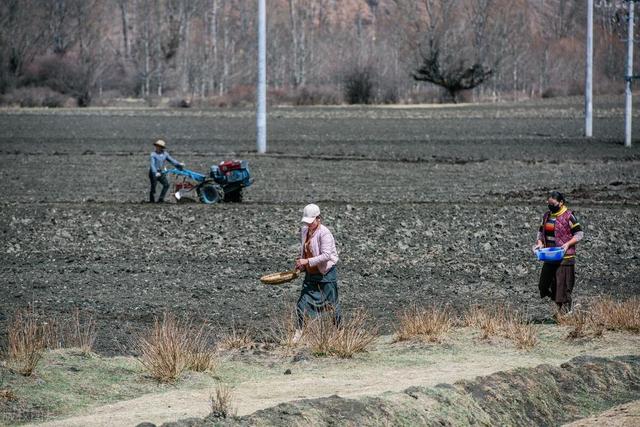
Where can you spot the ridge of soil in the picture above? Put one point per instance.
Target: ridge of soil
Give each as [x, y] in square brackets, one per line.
[544, 395]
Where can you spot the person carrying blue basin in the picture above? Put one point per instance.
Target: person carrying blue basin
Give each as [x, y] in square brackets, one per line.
[560, 229]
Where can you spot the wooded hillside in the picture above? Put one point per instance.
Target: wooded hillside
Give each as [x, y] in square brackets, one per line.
[319, 51]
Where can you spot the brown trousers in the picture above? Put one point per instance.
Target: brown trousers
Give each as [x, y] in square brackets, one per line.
[556, 282]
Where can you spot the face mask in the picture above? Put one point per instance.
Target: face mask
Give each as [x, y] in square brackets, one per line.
[554, 208]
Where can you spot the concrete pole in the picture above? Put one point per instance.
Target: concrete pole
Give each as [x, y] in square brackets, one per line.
[629, 76]
[588, 85]
[261, 119]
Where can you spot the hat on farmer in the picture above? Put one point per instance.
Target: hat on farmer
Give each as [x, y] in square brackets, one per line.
[310, 213]
[160, 143]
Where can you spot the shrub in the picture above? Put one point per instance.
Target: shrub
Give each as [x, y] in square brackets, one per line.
[358, 86]
[64, 74]
[180, 102]
[551, 92]
[317, 95]
[429, 324]
[26, 342]
[34, 97]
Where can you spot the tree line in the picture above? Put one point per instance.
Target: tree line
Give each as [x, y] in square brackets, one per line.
[318, 51]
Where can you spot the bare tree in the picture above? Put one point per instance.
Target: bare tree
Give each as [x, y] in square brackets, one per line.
[446, 59]
[123, 5]
[21, 34]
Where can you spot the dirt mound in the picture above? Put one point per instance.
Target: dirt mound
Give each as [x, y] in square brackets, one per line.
[544, 395]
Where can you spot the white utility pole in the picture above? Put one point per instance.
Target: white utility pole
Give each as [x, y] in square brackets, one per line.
[628, 76]
[261, 113]
[588, 85]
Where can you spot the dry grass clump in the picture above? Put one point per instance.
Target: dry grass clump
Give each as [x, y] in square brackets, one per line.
[78, 330]
[582, 323]
[83, 332]
[602, 314]
[283, 329]
[200, 356]
[171, 346]
[524, 335]
[26, 341]
[429, 324]
[221, 402]
[502, 321]
[354, 335]
[7, 395]
[616, 315]
[489, 322]
[236, 340]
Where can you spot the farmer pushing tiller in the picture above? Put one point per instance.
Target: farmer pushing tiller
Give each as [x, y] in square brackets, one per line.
[224, 182]
[156, 171]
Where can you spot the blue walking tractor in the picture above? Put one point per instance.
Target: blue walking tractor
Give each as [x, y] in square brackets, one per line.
[224, 182]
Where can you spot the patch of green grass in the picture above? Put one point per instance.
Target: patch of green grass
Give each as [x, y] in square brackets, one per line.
[66, 382]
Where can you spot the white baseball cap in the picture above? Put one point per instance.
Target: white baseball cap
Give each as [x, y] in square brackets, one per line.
[160, 143]
[310, 213]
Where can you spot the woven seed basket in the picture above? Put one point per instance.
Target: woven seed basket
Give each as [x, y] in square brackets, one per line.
[279, 278]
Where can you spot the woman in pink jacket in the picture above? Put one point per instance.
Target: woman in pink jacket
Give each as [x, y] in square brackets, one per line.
[318, 258]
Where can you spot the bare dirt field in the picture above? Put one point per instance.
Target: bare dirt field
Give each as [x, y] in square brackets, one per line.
[428, 205]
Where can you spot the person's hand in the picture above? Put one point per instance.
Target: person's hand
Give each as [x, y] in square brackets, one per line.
[158, 174]
[566, 247]
[180, 166]
[301, 262]
[538, 245]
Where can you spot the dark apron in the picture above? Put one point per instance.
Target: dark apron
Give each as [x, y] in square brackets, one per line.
[319, 294]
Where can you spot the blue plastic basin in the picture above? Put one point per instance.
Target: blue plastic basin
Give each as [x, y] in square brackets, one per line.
[550, 254]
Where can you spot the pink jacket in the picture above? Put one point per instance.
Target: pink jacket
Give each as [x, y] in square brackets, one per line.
[323, 248]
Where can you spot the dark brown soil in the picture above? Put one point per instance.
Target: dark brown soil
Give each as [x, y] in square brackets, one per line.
[427, 205]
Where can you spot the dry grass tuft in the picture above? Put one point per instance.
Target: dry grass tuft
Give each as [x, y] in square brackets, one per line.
[26, 342]
[429, 324]
[236, 340]
[200, 356]
[320, 334]
[7, 395]
[78, 330]
[171, 346]
[490, 323]
[283, 329]
[221, 402]
[502, 321]
[355, 334]
[83, 332]
[524, 335]
[616, 315]
[161, 348]
[602, 314]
